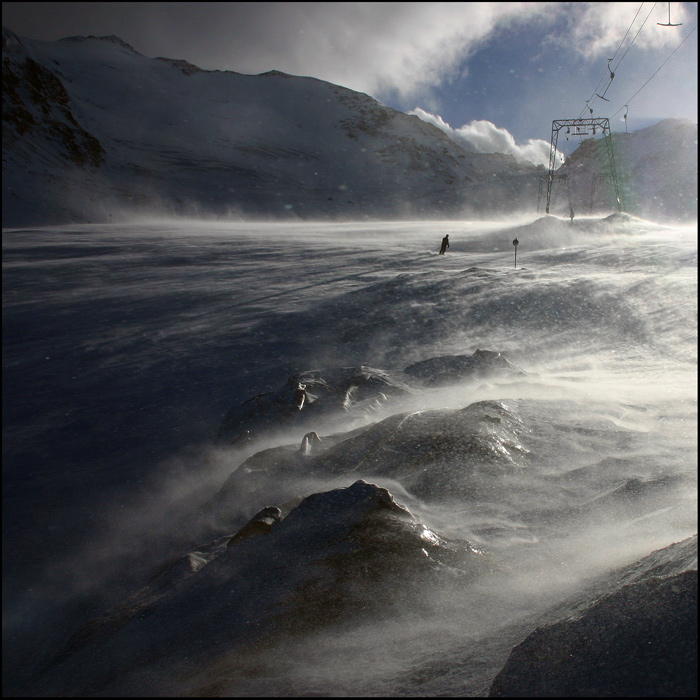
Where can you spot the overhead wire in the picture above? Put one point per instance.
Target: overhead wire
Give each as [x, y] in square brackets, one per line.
[636, 35]
[610, 72]
[627, 32]
[605, 75]
[657, 70]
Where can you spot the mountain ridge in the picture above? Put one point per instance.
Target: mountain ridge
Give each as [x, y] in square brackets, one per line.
[93, 129]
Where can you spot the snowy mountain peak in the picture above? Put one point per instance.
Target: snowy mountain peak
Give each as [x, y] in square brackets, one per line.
[275, 73]
[136, 137]
[111, 39]
[657, 170]
[223, 143]
[11, 43]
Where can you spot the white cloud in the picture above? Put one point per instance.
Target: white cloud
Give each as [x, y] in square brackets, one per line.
[368, 46]
[406, 48]
[403, 47]
[484, 136]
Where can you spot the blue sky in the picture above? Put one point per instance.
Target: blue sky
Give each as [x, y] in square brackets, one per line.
[494, 74]
[522, 78]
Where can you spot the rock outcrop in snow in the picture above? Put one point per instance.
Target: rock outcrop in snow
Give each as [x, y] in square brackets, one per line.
[635, 636]
[440, 371]
[314, 398]
[340, 557]
[310, 400]
[461, 455]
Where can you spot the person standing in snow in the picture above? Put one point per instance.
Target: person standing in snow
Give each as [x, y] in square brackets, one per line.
[571, 213]
[445, 245]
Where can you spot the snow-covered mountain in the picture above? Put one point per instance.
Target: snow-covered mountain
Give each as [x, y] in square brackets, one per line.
[91, 126]
[657, 169]
[93, 130]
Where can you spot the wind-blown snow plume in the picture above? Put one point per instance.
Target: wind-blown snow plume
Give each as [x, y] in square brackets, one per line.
[145, 338]
[484, 136]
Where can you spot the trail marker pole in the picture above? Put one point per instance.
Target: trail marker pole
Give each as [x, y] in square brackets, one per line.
[515, 243]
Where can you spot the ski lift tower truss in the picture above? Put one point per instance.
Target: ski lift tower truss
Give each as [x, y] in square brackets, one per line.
[583, 127]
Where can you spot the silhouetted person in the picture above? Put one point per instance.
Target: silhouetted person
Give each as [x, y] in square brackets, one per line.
[571, 213]
[445, 245]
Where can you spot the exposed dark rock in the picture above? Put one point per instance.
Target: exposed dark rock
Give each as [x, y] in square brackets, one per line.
[343, 555]
[639, 639]
[325, 393]
[309, 397]
[259, 524]
[36, 103]
[439, 371]
[463, 454]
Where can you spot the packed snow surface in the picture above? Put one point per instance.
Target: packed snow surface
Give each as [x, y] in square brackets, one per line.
[479, 440]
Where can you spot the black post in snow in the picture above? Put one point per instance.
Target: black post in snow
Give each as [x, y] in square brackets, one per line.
[515, 243]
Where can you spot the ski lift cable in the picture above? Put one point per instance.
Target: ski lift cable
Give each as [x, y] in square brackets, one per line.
[627, 32]
[606, 74]
[636, 35]
[657, 70]
[612, 71]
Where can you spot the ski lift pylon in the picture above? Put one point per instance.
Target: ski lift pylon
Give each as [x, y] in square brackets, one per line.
[580, 127]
